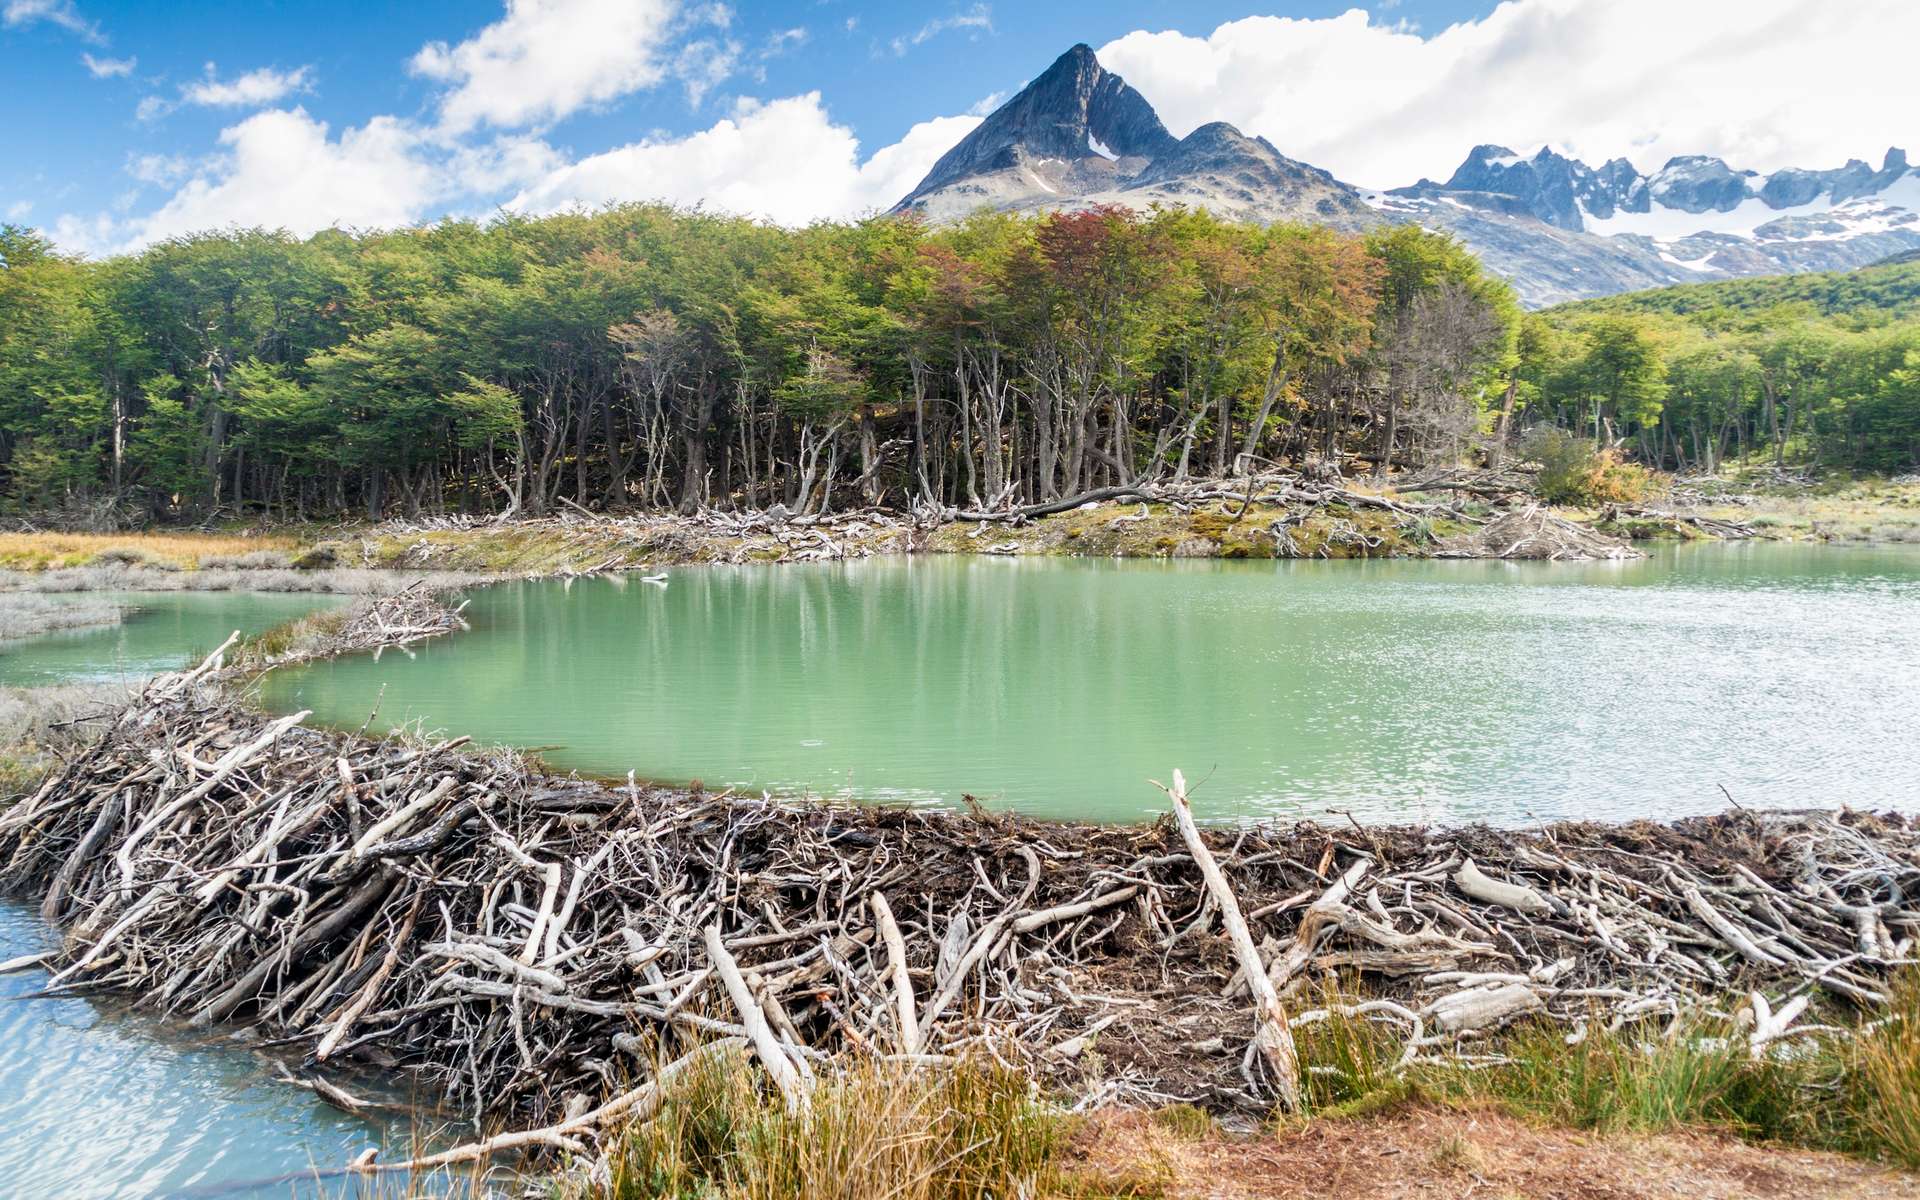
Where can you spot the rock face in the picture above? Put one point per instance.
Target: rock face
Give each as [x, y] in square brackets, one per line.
[1079, 135]
[1555, 227]
[1076, 115]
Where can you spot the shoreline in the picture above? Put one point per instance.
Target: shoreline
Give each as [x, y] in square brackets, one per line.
[1287, 518]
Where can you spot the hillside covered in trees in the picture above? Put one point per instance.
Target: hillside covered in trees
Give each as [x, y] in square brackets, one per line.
[644, 356]
[1815, 370]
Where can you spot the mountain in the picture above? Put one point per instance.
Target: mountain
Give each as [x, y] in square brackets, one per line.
[1079, 135]
[1557, 228]
[1889, 289]
[1563, 230]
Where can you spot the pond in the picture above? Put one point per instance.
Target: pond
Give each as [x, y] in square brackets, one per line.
[1779, 675]
[159, 631]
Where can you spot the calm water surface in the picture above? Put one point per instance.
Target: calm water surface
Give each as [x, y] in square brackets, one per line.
[99, 1103]
[158, 632]
[1434, 691]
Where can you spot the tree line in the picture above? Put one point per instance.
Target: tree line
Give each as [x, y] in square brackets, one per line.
[647, 356]
[1817, 371]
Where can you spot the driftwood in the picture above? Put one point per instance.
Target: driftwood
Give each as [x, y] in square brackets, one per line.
[528, 946]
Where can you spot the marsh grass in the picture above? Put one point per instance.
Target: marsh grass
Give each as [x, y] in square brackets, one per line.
[872, 1131]
[119, 577]
[179, 551]
[302, 634]
[1641, 1079]
[24, 615]
[1881, 1085]
[37, 724]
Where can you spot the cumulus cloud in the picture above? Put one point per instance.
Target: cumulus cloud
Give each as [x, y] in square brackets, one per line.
[255, 89]
[281, 168]
[548, 58]
[786, 161]
[262, 86]
[107, 68]
[1762, 83]
[61, 13]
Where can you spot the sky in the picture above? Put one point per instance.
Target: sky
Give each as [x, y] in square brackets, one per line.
[122, 124]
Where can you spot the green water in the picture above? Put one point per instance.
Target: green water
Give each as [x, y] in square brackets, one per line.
[1430, 691]
[159, 631]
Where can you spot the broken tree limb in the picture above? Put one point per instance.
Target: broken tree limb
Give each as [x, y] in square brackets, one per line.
[772, 1054]
[1275, 1038]
[897, 970]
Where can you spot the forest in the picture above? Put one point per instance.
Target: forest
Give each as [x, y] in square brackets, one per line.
[1810, 371]
[651, 357]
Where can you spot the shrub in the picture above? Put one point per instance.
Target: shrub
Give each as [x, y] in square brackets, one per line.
[1574, 471]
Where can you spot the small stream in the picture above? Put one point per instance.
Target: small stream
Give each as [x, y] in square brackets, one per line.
[100, 1103]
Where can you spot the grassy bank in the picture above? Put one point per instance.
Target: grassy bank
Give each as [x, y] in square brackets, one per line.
[38, 724]
[1833, 510]
[29, 615]
[1653, 1109]
[160, 550]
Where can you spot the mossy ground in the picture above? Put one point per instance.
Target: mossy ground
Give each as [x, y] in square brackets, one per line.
[1211, 531]
[1838, 509]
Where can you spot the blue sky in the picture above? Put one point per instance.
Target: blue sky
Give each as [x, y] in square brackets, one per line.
[127, 122]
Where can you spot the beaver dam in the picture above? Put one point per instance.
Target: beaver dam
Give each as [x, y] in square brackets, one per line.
[530, 947]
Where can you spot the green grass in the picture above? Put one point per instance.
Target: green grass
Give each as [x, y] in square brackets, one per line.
[1642, 1079]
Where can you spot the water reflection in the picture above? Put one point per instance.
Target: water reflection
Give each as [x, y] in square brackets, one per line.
[1432, 691]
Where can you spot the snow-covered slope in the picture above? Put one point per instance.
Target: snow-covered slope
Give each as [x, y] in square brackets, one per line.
[1694, 219]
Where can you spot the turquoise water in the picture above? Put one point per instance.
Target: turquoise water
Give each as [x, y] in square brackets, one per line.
[1408, 691]
[159, 631]
[98, 1103]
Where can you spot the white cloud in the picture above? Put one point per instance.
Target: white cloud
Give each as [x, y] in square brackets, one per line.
[784, 160]
[703, 65]
[255, 89]
[157, 168]
[280, 168]
[262, 86]
[107, 68]
[54, 12]
[782, 40]
[1762, 83]
[985, 105]
[977, 18]
[18, 210]
[548, 58]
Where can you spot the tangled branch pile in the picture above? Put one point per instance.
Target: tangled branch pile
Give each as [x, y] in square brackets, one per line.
[1534, 533]
[528, 946]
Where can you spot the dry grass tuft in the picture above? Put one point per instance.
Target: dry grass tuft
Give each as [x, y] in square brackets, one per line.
[874, 1131]
[180, 551]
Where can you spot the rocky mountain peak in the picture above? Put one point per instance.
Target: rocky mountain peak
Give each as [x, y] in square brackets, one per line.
[1076, 110]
